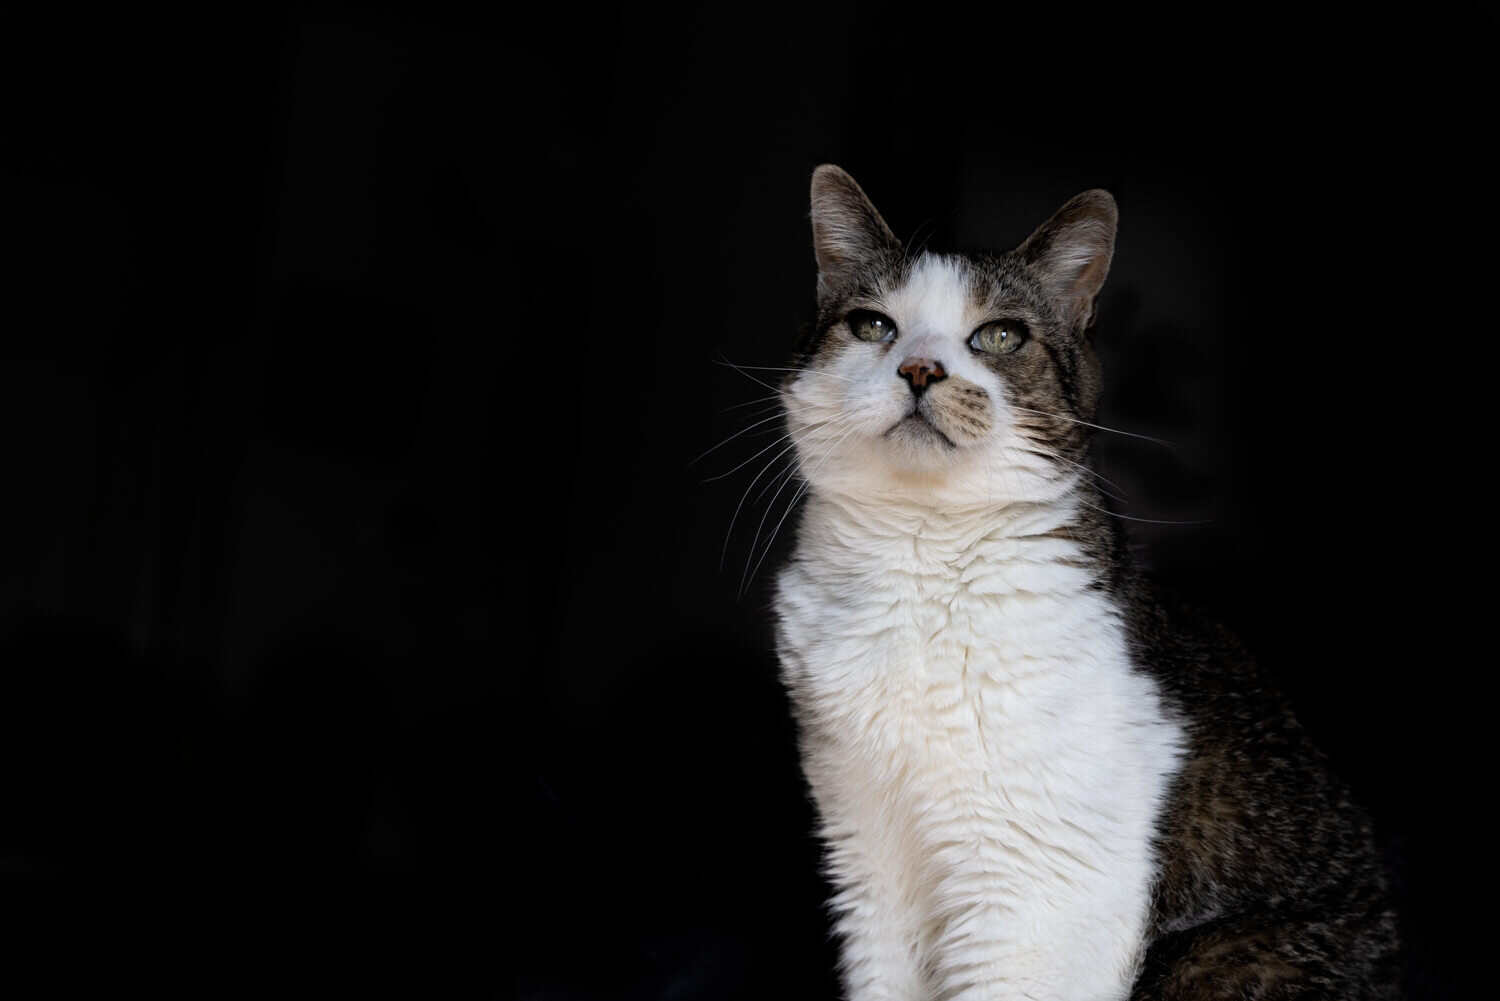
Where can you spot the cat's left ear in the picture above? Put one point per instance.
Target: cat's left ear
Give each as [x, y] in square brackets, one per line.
[1072, 251]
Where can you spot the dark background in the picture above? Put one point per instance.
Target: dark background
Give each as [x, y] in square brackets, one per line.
[366, 624]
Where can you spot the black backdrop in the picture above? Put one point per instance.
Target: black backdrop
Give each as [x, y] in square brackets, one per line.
[368, 624]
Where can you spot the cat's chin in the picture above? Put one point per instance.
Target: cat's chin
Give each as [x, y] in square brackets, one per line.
[918, 452]
[916, 433]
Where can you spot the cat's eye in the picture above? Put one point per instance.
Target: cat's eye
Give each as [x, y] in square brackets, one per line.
[868, 325]
[999, 338]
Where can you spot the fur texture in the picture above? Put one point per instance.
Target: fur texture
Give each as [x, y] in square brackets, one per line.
[1033, 781]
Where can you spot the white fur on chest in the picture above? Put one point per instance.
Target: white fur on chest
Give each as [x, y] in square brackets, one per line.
[988, 766]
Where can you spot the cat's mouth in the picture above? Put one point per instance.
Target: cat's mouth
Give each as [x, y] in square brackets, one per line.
[916, 427]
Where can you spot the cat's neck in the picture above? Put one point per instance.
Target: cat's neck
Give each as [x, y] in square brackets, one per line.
[845, 532]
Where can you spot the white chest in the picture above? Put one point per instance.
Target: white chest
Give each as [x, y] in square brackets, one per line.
[987, 763]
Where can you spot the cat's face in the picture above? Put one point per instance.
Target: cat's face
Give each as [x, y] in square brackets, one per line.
[951, 379]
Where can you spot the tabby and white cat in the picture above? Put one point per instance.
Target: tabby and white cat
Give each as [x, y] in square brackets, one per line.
[1033, 781]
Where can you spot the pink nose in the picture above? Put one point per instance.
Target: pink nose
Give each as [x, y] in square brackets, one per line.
[920, 371]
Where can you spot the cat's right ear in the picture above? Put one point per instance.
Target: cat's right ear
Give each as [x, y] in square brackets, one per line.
[848, 234]
[1072, 251]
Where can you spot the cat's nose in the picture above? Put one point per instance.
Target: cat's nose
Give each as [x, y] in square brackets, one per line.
[920, 372]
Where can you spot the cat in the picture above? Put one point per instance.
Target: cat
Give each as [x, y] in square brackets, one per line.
[1033, 780]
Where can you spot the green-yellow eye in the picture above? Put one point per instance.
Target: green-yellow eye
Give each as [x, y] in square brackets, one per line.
[999, 338]
[868, 325]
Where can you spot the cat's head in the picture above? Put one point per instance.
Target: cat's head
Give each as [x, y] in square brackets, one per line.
[951, 379]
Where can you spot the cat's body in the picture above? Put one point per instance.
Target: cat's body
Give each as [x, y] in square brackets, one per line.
[1033, 783]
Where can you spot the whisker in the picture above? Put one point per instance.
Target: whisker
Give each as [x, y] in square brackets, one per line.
[1100, 427]
[1076, 494]
[780, 412]
[741, 431]
[781, 368]
[931, 222]
[788, 437]
[750, 403]
[1146, 521]
[729, 533]
[757, 455]
[792, 503]
[1046, 453]
[742, 371]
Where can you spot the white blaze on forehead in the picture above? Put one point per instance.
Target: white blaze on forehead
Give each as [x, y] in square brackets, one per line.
[932, 307]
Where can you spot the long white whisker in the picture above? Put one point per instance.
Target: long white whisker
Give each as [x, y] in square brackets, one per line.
[781, 368]
[759, 382]
[780, 412]
[791, 503]
[1050, 454]
[752, 458]
[744, 430]
[790, 438]
[785, 477]
[729, 533]
[1076, 494]
[796, 496]
[777, 481]
[750, 403]
[1100, 427]
[1147, 521]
